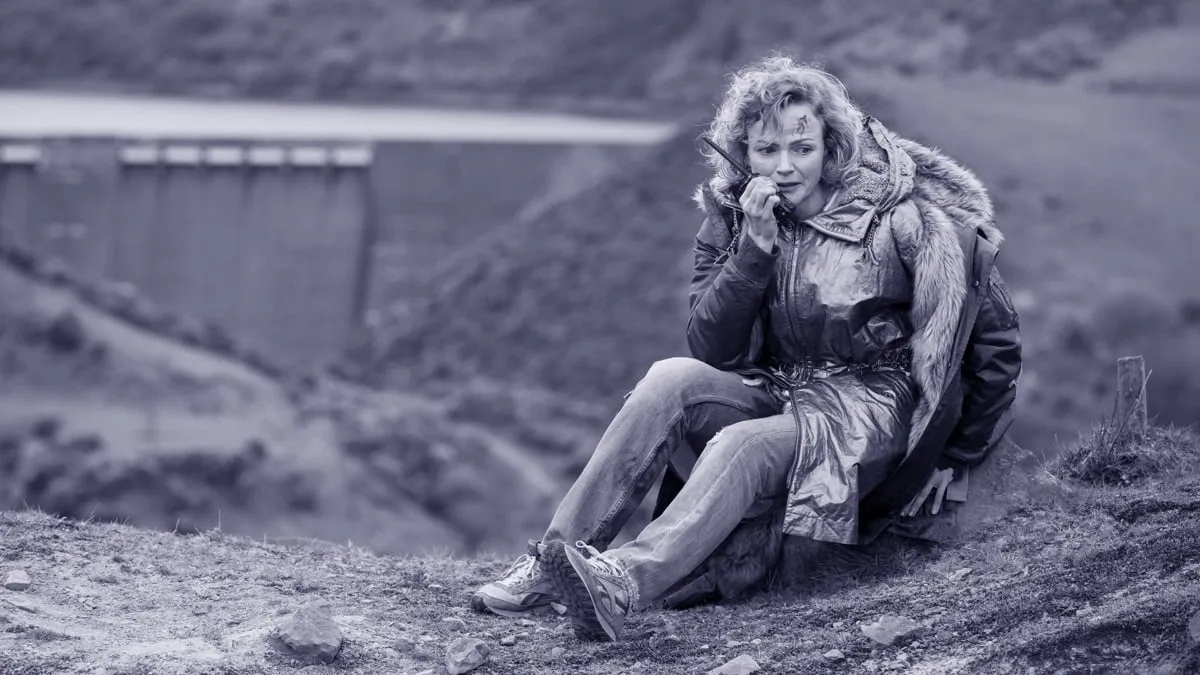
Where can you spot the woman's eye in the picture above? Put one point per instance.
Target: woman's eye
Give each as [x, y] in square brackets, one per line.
[766, 151]
[804, 150]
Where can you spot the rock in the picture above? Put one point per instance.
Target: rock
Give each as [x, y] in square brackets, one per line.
[508, 640]
[742, 665]
[958, 574]
[1194, 627]
[403, 645]
[17, 580]
[558, 652]
[436, 587]
[423, 653]
[889, 628]
[311, 632]
[834, 655]
[526, 623]
[455, 623]
[466, 654]
[523, 635]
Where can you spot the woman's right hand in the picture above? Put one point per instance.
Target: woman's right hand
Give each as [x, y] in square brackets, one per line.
[758, 202]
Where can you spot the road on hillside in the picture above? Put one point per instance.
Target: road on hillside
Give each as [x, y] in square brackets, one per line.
[31, 114]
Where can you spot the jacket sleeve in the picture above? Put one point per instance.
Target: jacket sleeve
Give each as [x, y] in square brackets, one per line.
[991, 366]
[726, 296]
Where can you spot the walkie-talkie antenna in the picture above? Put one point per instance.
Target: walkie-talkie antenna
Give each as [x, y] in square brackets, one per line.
[785, 204]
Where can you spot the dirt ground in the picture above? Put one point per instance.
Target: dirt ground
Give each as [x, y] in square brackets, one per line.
[1103, 581]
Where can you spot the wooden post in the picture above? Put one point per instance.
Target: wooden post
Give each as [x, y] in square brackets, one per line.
[1131, 396]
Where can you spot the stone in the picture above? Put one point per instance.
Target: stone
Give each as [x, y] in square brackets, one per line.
[958, 574]
[466, 654]
[889, 628]
[17, 580]
[834, 655]
[311, 632]
[436, 587]
[526, 623]
[455, 623]
[744, 664]
[558, 652]
[508, 640]
[403, 644]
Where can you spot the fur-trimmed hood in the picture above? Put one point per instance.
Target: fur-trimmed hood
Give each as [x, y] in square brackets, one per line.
[917, 171]
[932, 198]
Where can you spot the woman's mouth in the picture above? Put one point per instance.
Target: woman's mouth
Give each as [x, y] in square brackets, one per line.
[786, 186]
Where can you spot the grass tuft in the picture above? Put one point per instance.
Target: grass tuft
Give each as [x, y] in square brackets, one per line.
[1106, 456]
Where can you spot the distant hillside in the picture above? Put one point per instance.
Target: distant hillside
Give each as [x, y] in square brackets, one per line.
[1103, 579]
[622, 55]
[585, 297]
[105, 418]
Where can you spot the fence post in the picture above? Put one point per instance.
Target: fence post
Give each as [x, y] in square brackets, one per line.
[1131, 396]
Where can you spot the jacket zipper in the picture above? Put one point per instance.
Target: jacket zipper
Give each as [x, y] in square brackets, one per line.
[791, 293]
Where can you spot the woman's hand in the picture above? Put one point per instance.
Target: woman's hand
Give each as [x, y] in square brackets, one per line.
[940, 479]
[758, 202]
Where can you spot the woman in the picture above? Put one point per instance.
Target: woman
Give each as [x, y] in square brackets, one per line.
[849, 357]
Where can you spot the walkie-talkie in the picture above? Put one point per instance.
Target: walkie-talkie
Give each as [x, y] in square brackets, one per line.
[783, 210]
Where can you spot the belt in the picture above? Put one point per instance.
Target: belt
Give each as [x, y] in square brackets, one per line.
[787, 375]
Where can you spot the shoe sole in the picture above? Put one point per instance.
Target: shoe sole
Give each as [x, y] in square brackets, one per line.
[572, 589]
[487, 603]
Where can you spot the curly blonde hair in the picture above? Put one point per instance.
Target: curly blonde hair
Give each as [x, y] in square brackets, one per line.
[760, 92]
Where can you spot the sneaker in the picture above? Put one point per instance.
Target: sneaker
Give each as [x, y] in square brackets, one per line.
[595, 588]
[523, 590]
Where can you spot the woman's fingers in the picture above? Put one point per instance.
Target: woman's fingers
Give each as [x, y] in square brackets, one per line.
[756, 199]
[915, 504]
[941, 494]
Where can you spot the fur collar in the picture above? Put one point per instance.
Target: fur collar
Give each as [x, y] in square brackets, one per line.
[930, 200]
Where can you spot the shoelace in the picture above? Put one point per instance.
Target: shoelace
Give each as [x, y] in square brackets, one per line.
[524, 566]
[609, 567]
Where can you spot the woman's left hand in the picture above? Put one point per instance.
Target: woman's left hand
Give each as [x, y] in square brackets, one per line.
[940, 479]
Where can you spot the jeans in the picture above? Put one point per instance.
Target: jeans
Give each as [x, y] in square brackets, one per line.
[680, 406]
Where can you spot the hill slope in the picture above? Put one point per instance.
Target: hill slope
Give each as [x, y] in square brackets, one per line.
[103, 418]
[1104, 580]
[637, 55]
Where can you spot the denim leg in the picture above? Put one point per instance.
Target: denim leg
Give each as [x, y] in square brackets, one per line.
[744, 467]
[679, 401]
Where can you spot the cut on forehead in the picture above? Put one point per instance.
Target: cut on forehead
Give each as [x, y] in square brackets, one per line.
[772, 119]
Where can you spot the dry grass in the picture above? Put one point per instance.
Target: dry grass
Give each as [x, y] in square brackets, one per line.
[1107, 455]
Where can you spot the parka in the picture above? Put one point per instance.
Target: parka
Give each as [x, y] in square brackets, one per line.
[958, 323]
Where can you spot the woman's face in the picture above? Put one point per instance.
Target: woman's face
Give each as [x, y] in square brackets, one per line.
[791, 153]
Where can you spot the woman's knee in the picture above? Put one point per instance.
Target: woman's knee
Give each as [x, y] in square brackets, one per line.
[765, 451]
[676, 375]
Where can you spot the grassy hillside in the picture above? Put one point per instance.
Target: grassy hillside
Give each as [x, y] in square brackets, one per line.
[1103, 579]
[624, 55]
[585, 297]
